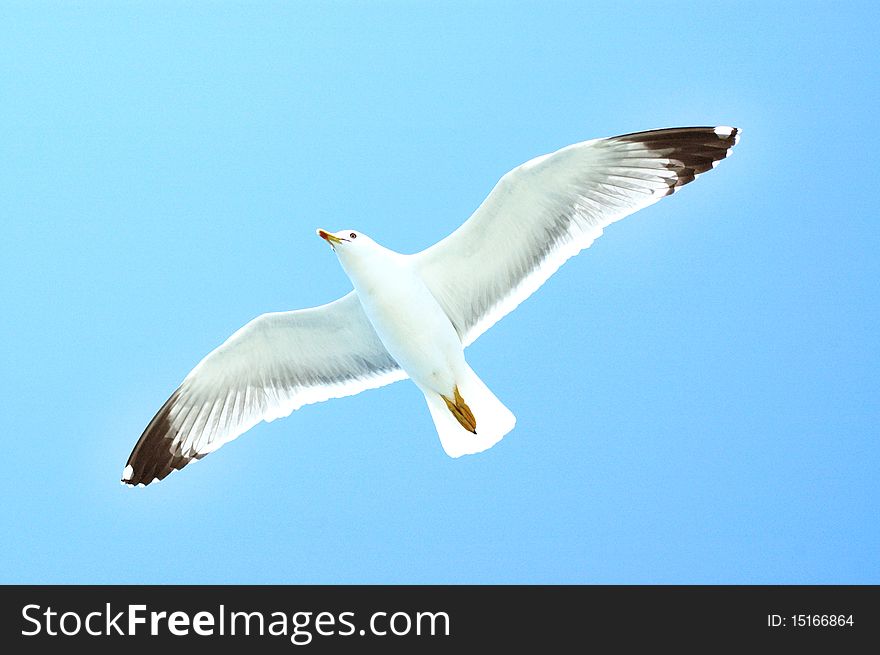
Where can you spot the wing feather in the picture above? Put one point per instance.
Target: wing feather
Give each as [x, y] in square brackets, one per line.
[550, 208]
[272, 366]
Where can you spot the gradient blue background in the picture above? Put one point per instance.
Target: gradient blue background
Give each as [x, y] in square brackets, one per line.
[697, 393]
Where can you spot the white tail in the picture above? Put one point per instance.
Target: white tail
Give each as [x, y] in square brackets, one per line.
[493, 419]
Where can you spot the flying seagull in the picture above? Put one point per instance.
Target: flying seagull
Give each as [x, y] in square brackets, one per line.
[413, 315]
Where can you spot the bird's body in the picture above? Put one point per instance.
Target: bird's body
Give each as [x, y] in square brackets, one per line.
[407, 319]
[418, 334]
[413, 315]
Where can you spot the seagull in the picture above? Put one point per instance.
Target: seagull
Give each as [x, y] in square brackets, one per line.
[412, 316]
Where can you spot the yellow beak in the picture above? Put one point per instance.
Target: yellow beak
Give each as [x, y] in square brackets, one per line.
[329, 238]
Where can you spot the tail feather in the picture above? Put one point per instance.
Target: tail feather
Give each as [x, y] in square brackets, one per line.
[493, 420]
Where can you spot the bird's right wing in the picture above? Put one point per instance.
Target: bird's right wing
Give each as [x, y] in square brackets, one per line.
[272, 366]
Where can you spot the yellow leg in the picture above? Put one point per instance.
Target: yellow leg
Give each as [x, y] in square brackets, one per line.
[461, 411]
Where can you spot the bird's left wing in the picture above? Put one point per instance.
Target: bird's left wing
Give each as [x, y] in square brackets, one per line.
[552, 207]
[273, 365]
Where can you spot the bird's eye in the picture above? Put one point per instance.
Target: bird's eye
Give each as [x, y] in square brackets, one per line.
[353, 235]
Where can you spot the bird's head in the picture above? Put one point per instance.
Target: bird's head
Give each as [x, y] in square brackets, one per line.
[347, 242]
[353, 249]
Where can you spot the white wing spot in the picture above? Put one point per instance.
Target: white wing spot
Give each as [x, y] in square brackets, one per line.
[723, 130]
[127, 472]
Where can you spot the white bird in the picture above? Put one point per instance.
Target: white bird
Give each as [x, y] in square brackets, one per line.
[413, 315]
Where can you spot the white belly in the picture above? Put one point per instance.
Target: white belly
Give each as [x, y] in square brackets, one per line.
[413, 327]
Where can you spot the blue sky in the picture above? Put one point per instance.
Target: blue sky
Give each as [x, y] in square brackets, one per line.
[696, 394]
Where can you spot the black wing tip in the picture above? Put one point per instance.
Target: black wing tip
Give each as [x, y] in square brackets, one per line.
[140, 473]
[721, 133]
[153, 457]
[691, 150]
